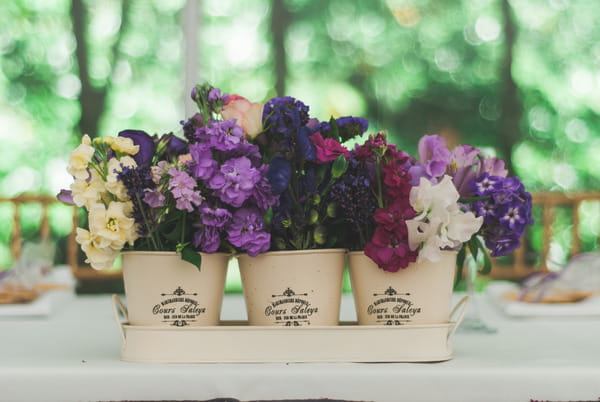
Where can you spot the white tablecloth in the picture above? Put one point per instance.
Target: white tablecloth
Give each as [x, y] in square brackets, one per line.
[73, 355]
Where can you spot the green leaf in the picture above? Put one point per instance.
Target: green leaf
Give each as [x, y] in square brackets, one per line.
[460, 262]
[268, 218]
[335, 131]
[339, 166]
[192, 256]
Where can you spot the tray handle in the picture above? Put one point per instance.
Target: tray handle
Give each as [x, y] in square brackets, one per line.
[118, 310]
[459, 311]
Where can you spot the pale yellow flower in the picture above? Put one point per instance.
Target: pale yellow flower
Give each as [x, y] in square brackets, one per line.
[113, 184]
[123, 145]
[87, 192]
[113, 225]
[80, 159]
[97, 250]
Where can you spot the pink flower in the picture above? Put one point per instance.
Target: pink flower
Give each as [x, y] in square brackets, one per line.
[328, 149]
[247, 114]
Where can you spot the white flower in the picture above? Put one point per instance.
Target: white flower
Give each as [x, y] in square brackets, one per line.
[122, 145]
[80, 159]
[99, 254]
[113, 184]
[439, 224]
[87, 192]
[113, 225]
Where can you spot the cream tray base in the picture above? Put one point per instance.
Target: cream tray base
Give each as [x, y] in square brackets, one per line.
[238, 342]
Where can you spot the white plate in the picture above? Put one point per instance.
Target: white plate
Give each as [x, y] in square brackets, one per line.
[497, 290]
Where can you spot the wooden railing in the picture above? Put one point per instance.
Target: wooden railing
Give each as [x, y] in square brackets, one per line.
[549, 203]
[80, 271]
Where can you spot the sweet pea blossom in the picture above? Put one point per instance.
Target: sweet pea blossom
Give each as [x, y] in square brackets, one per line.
[247, 114]
[439, 224]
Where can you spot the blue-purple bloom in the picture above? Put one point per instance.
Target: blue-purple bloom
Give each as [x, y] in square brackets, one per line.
[348, 127]
[282, 114]
[146, 144]
[136, 181]
[279, 174]
[506, 211]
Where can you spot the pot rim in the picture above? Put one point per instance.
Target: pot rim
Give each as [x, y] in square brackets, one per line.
[352, 253]
[296, 252]
[173, 253]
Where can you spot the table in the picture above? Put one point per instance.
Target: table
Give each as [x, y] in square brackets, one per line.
[74, 356]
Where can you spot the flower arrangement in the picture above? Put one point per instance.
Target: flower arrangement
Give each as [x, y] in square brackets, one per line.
[252, 177]
[206, 193]
[305, 158]
[407, 210]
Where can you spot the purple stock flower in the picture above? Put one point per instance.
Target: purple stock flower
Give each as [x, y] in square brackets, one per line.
[217, 217]
[248, 232]
[204, 164]
[182, 187]
[146, 144]
[235, 181]
[154, 198]
[207, 239]
[263, 195]
[348, 128]
[225, 135]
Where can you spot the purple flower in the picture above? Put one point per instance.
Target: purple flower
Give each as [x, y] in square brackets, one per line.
[136, 180]
[207, 239]
[262, 194]
[235, 181]
[284, 116]
[434, 155]
[66, 196]
[176, 146]
[248, 232]
[348, 127]
[182, 187]
[305, 147]
[146, 144]
[154, 198]
[224, 135]
[217, 217]
[204, 164]
[486, 185]
[279, 174]
[246, 149]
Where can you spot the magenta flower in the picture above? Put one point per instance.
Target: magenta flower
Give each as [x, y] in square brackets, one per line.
[390, 249]
[328, 149]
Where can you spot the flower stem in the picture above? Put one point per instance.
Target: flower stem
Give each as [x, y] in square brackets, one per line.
[379, 183]
[150, 231]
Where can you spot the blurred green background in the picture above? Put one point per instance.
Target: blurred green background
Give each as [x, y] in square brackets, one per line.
[518, 78]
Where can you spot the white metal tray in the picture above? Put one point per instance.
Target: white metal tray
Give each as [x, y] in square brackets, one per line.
[238, 342]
